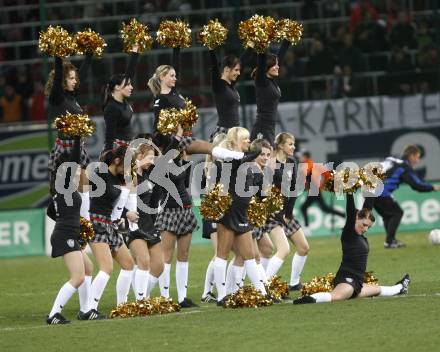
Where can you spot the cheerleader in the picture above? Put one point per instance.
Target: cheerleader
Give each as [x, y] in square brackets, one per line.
[349, 280]
[144, 243]
[283, 225]
[209, 228]
[267, 93]
[234, 225]
[65, 237]
[226, 96]
[108, 244]
[62, 89]
[163, 86]
[117, 111]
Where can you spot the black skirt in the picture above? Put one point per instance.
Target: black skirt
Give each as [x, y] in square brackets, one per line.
[236, 218]
[64, 242]
[346, 277]
[151, 237]
[209, 227]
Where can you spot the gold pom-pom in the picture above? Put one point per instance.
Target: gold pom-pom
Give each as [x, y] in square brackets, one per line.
[75, 125]
[370, 279]
[188, 116]
[290, 30]
[56, 41]
[274, 201]
[169, 119]
[257, 212]
[258, 32]
[277, 288]
[248, 297]
[145, 307]
[86, 232]
[213, 34]
[135, 33]
[89, 41]
[318, 284]
[366, 180]
[174, 34]
[214, 205]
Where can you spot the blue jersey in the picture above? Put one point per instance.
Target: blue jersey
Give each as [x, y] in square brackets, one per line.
[398, 171]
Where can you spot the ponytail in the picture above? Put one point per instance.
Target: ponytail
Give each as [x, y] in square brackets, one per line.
[115, 80]
[111, 155]
[154, 81]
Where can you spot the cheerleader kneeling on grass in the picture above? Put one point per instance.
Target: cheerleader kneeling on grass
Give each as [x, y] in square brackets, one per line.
[350, 276]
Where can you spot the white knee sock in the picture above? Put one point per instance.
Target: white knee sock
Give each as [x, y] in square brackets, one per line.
[123, 286]
[220, 277]
[85, 205]
[230, 279]
[390, 290]
[322, 297]
[223, 153]
[298, 262]
[141, 283]
[209, 278]
[265, 262]
[164, 281]
[181, 279]
[254, 276]
[120, 204]
[237, 272]
[152, 281]
[62, 298]
[98, 286]
[263, 276]
[274, 265]
[133, 281]
[84, 292]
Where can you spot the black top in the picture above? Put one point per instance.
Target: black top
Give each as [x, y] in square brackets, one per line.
[226, 96]
[182, 182]
[288, 186]
[117, 115]
[149, 194]
[62, 101]
[103, 205]
[355, 247]
[267, 91]
[67, 213]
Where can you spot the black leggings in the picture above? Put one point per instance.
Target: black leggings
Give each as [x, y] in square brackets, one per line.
[324, 207]
[391, 213]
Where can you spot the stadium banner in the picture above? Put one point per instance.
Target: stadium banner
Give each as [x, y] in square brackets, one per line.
[21, 233]
[357, 129]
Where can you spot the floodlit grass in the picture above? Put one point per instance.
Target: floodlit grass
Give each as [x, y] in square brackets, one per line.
[407, 323]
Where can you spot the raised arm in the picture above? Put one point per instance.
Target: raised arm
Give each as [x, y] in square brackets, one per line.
[56, 95]
[282, 50]
[84, 69]
[176, 61]
[132, 62]
[351, 214]
[216, 83]
[261, 79]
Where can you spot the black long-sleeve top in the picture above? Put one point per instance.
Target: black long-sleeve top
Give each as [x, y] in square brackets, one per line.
[226, 96]
[103, 205]
[290, 181]
[118, 115]
[355, 247]
[67, 215]
[267, 91]
[181, 181]
[62, 101]
[150, 195]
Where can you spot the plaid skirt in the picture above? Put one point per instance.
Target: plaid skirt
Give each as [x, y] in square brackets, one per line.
[65, 146]
[290, 227]
[185, 142]
[179, 221]
[218, 130]
[105, 232]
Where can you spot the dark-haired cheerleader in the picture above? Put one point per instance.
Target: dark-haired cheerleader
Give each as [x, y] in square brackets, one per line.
[108, 243]
[163, 86]
[349, 280]
[65, 236]
[62, 89]
[117, 111]
[226, 96]
[267, 93]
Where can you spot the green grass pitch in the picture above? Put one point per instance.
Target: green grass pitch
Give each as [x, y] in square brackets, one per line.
[404, 323]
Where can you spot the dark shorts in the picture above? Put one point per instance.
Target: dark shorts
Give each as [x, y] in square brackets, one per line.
[236, 218]
[179, 221]
[151, 237]
[209, 227]
[345, 277]
[64, 242]
[106, 233]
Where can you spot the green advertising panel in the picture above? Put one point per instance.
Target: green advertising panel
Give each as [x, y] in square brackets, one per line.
[21, 233]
